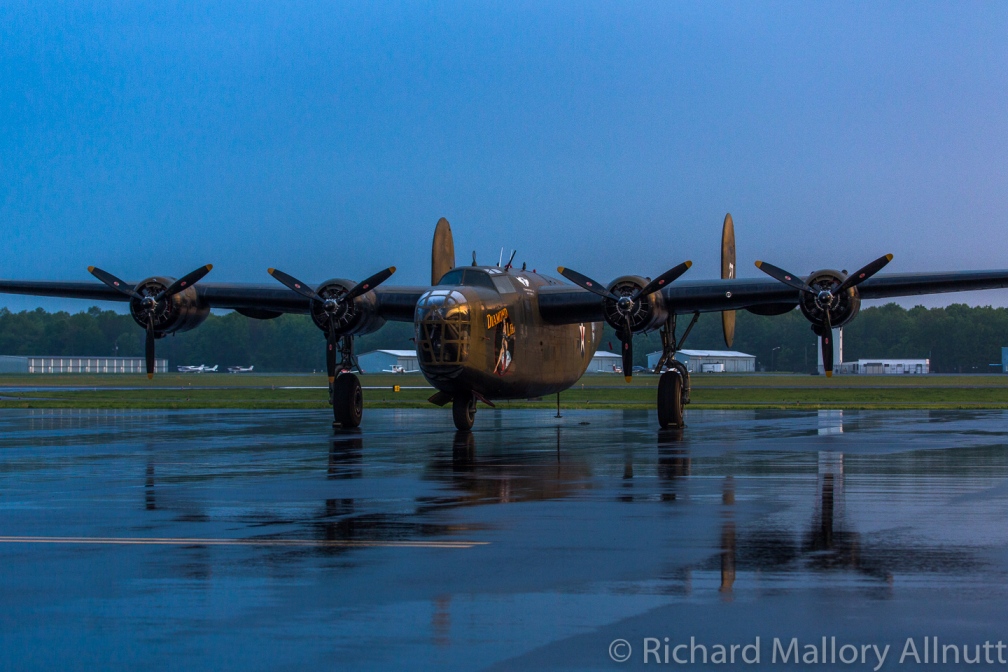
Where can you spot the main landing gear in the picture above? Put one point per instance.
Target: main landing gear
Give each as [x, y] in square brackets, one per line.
[671, 401]
[464, 411]
[674, 385]
[347, 401]
[345, 393]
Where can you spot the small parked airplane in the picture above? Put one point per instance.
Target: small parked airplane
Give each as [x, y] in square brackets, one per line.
[240, 369]
[202, 368]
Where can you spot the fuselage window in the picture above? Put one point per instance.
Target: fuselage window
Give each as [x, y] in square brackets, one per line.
[503, 284]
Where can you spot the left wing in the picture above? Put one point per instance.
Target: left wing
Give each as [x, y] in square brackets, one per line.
[254, 300]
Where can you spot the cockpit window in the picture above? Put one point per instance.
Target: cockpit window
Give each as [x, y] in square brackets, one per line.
[451, 277]
[467, 277]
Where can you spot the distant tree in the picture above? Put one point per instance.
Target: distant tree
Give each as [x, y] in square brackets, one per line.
[957, 338]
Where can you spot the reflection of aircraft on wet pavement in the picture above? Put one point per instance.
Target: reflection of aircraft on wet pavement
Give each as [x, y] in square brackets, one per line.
[822, 538]
[202, 368]
[496, 332]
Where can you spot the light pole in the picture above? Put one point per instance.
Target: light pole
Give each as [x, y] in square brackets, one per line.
[772, 351]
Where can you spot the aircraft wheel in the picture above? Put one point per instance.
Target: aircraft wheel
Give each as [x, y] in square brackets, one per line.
[348, 401]
[670, 400]
[464, 411]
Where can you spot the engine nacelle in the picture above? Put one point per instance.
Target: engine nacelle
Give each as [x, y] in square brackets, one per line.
[180, 312]
[649, 312]
[844, 307]
[359, 316]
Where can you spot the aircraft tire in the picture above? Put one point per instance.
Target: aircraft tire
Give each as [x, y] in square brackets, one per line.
[348, 401]
[464, 411]
[670, 400]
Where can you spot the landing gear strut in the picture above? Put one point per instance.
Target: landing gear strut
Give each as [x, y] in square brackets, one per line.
[674, 385]
[345, 393]
[464, 411]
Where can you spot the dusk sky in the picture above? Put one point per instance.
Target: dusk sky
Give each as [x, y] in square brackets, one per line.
[327, 139]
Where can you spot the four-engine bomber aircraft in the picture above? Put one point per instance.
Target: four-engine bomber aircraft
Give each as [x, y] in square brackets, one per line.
[495, 332]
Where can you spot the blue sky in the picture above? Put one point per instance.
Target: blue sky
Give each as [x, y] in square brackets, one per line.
[327, 139]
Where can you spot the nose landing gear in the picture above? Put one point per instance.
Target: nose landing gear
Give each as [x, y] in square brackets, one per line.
[464, 411]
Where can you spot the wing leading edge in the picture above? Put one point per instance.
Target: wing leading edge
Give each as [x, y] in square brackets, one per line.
[394, 303]
[568, 304]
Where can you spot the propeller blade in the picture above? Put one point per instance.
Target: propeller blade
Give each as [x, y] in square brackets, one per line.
[183, 282]
[149, 349]
[627, 342]
[330, 357]
[293, 284]
[369, 283]
[860, 276]
[665, 278]
[783, 276]
[585, 282]
[113, 282]
[826, 342]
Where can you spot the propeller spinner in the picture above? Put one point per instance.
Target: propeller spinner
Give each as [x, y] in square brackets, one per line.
[826, 298]
[626, 304]
[149, 302]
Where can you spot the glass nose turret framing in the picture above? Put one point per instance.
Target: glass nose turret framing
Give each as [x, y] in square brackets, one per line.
[442, 329]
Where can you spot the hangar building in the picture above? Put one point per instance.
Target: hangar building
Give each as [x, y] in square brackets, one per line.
[711, 361]
[79, 365]
[605, 362]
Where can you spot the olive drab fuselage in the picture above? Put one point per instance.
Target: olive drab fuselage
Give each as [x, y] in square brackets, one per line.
[479, 330]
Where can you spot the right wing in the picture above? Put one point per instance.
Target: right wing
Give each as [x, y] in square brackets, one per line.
[567, 304]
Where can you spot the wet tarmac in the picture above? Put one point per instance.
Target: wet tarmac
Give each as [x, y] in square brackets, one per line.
[263, 540]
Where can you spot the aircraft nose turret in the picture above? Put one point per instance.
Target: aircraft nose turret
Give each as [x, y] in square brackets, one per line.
[443, 331]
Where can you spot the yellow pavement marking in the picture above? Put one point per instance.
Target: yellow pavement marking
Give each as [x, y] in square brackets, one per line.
[199, 541]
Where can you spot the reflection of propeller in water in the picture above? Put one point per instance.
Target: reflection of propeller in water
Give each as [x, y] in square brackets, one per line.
[626, 305]
[825, 298]
[332, 305]
[148, 302]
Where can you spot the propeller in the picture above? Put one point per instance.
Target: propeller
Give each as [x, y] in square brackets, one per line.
[148, 303]
[825, 298]
[333, 306]
[626, 305]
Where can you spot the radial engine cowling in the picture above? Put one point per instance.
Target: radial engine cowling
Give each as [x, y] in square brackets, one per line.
[180, 312]
[845, 304]
[646, 313]
[359, 316]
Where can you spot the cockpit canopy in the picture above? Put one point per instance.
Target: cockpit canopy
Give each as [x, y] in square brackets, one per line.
[477, 277]
[467, 277]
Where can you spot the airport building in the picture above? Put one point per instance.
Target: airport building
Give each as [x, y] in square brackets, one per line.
[605, 362]
[876, 367]
[1004, 360]
[389, 361]
[10, 364]
[711, 361]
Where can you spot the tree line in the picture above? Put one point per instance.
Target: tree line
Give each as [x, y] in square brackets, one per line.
[957, 338]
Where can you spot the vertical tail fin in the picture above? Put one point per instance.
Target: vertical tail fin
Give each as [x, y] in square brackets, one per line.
[442, 251]
[728, 273]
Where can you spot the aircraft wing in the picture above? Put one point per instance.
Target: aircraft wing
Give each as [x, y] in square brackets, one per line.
[261, 301]
[568, 304]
